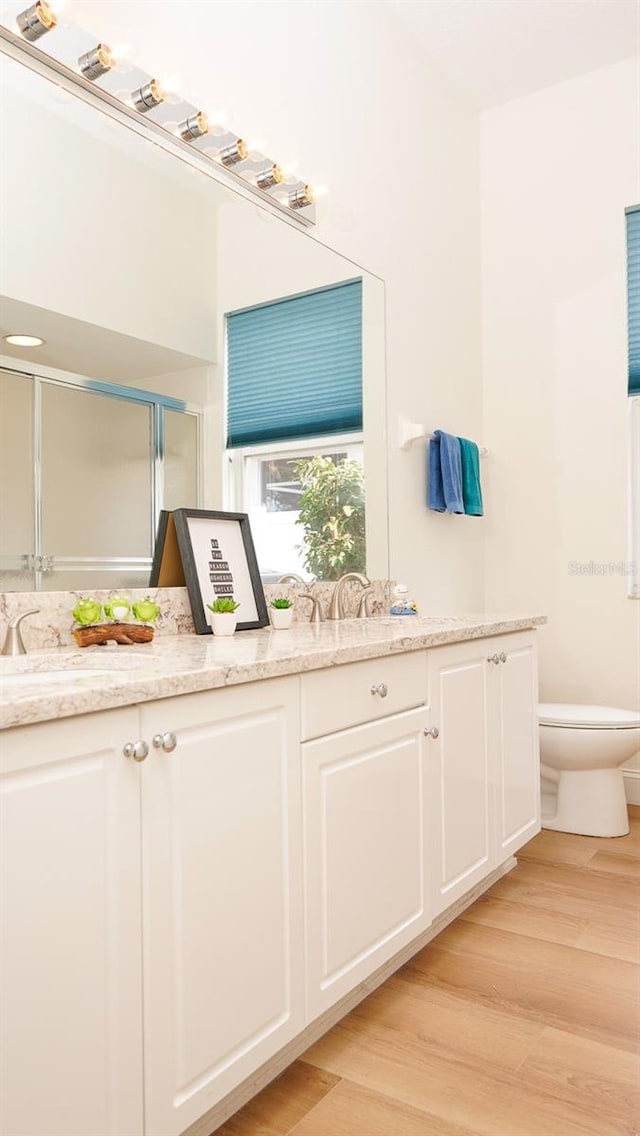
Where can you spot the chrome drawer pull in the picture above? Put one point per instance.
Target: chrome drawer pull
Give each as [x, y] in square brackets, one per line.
[380, 688]
[431, 732]
[137, 750]
[167, 742]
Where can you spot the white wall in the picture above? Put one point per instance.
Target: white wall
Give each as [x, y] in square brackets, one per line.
[338, 86]
[558, 169]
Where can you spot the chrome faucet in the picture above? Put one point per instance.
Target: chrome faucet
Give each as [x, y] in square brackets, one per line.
[13, 644]
[336, 607]
[291, 578]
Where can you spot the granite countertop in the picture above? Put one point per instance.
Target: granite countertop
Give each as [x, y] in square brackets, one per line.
[70, 681]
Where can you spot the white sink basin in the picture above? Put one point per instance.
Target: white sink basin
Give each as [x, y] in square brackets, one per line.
[44, 678]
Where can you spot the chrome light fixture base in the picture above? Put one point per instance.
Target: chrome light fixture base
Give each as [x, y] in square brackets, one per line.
[36, 21]
[95, 63]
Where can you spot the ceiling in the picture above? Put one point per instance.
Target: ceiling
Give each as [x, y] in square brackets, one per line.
[86, 349]
[497, 50]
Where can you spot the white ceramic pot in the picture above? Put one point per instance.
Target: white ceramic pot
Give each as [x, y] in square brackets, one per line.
[281, 618]
[223, 622]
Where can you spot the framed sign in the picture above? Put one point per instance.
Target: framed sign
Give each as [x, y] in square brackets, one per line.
[218, 559]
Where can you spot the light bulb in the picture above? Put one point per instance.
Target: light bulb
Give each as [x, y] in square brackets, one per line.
[121, 52]
[219, 117]
[257, 145]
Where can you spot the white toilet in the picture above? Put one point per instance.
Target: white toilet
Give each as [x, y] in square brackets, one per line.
[582, 751]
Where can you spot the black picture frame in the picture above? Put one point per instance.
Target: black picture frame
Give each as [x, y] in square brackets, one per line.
[219, 558]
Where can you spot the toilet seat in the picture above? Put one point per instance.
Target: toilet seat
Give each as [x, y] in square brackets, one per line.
[582, 717]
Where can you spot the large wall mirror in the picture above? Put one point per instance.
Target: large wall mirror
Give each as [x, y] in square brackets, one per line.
[154, 288]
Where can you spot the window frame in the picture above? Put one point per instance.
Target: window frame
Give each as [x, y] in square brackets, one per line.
[633, 566]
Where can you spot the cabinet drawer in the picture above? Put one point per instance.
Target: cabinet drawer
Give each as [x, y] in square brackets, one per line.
[344, 696]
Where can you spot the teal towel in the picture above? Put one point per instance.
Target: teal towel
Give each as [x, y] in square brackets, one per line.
[471, 490]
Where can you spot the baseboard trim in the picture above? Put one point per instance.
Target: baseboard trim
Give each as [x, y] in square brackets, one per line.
[254, 1084]
[632, 785]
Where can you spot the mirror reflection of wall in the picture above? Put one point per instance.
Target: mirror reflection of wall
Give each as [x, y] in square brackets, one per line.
[128, 263]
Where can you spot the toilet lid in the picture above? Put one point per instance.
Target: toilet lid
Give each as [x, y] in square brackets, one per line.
[590, 717]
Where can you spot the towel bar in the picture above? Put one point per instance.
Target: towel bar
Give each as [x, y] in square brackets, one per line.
[410, 432]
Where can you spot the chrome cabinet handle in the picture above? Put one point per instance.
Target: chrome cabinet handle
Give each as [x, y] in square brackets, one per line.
[503, 657]
[167, 742]
[137, 750]
[380, 688]
[493, 659]
[431, 732]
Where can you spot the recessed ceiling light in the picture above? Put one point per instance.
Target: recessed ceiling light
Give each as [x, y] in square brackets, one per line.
[24, 340]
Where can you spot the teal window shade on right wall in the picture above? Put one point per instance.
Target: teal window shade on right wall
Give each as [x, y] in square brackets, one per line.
[294, 367]
[633, 284]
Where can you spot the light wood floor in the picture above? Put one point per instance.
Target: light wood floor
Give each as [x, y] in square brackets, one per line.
[520, 1019]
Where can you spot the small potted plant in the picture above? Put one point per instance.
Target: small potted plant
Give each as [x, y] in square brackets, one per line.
[223, 615]
[281, 613]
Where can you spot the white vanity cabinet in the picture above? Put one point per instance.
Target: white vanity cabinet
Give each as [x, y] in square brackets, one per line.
[152, 910]
[70, 1024]
[189, 885]
[512, 692]
[222, 895]
[483, 771]
[364, 850]
[459, 772]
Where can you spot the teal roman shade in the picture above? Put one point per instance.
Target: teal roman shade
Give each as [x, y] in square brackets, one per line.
[294, 367]
[633, 283]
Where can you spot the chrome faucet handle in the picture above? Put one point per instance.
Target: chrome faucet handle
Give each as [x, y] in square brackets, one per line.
[13, 644]
[316, 608]
[364, 607]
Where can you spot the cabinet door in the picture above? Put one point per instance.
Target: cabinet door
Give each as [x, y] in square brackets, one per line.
[71, 1023]
[459, 765]
[513, 693]
[222, 895]
[364, 815]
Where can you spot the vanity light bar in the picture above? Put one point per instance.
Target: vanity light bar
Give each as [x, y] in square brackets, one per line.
[36, 21]
[97, 62]
[148, 96]
[194, 127]
[259, 176]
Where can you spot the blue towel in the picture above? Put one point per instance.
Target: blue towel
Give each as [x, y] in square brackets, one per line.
[445, 474]
[471, 490]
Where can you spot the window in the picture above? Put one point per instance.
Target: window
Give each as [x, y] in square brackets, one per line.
[294, 394]
[266, 484]
[633, 282]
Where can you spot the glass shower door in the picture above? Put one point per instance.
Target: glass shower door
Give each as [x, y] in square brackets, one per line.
[97, 501]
